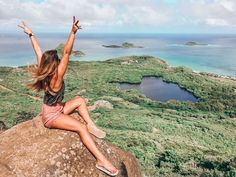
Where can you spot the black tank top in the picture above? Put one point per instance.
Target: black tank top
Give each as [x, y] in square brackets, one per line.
[50, 99]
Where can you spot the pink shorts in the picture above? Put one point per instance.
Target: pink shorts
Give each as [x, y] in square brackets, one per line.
[50, 113]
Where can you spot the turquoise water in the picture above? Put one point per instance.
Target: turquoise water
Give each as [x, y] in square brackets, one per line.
[217, 57]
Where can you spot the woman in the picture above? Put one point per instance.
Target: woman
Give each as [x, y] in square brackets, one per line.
[48, 75]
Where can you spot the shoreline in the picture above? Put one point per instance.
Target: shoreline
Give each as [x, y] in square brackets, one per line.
[224, 76]
[215, 75]
[212, 74]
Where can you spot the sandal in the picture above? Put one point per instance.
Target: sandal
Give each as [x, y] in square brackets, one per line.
[106, 171]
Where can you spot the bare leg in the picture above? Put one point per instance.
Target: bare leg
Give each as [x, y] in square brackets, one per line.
[67, 122]
[80, 104]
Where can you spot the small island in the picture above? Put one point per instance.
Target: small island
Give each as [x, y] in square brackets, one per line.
[124, 45]
[191, 43]
[76, 53]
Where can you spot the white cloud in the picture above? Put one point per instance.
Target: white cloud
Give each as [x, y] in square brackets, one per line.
[95, 14]
[216, 13]
[229, 5]
[145, 15]
[56, 11]
[92, 14]
[216, 22]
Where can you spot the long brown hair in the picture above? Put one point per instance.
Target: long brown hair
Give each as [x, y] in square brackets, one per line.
[43, 73]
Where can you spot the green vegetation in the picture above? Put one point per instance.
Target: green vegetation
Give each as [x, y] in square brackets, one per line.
[124, 45]
[76, 53]
[169, 139]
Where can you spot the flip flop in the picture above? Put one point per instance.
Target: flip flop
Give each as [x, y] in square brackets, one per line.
[106, 171]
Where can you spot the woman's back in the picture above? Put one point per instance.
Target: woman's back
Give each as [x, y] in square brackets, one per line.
[51, 97]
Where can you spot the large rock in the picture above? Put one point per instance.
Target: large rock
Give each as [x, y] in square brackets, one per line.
[29, 149]
[100, 104]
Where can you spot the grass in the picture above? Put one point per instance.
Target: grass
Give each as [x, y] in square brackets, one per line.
[169, 139]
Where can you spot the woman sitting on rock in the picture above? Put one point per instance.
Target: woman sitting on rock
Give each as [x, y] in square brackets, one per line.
[48, 76]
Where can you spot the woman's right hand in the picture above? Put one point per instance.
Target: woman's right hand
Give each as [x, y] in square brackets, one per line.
[75, 25]
[26, 29]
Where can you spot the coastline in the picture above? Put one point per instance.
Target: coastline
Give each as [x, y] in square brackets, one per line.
[216, 75]
[212, 74]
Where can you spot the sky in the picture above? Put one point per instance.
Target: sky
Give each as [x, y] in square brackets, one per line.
[121, 16]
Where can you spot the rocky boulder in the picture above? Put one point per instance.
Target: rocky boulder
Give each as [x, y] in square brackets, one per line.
[30, 149]
[100, 104]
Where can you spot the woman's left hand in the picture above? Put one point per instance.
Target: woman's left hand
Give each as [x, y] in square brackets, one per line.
[75, 25]
[26, 29]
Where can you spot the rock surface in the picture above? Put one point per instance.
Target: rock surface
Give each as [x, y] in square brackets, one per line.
[30, 149]
[121, 101]
[100, 104]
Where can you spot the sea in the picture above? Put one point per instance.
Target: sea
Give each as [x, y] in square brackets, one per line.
[218, 56]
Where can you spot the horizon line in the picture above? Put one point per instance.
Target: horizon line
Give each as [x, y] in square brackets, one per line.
[59, 32]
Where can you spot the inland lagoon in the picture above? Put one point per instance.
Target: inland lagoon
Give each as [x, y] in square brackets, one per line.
[157, 89]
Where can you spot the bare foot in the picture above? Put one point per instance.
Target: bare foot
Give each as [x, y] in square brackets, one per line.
[96, 131]
[108, 166]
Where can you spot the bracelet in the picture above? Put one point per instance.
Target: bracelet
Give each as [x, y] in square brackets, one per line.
[31, 34]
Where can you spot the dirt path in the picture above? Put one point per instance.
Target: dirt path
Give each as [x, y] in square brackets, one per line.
[10, 90]
[5, 88]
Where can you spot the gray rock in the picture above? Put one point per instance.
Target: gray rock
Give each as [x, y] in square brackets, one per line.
[101, 104]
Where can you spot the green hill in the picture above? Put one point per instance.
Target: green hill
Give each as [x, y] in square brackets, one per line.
[169, 139]
[76, 53]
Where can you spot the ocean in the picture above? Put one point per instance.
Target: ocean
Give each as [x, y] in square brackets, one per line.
[217, 57]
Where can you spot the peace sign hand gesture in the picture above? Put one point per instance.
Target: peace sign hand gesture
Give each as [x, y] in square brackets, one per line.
[75, 25]
[27, 30]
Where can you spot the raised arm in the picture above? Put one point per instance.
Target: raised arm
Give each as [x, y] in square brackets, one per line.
[34, 42]
[68, 48]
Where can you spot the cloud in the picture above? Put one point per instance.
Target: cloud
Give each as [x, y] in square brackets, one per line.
[216, 13]
[216, 22]
[122, 14]
[56, 12]
[228, 5]
[92, 13]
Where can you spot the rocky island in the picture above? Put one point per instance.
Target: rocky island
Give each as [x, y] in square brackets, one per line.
[191, 43]
[177, 138]
[76, 53]
[124, 45]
